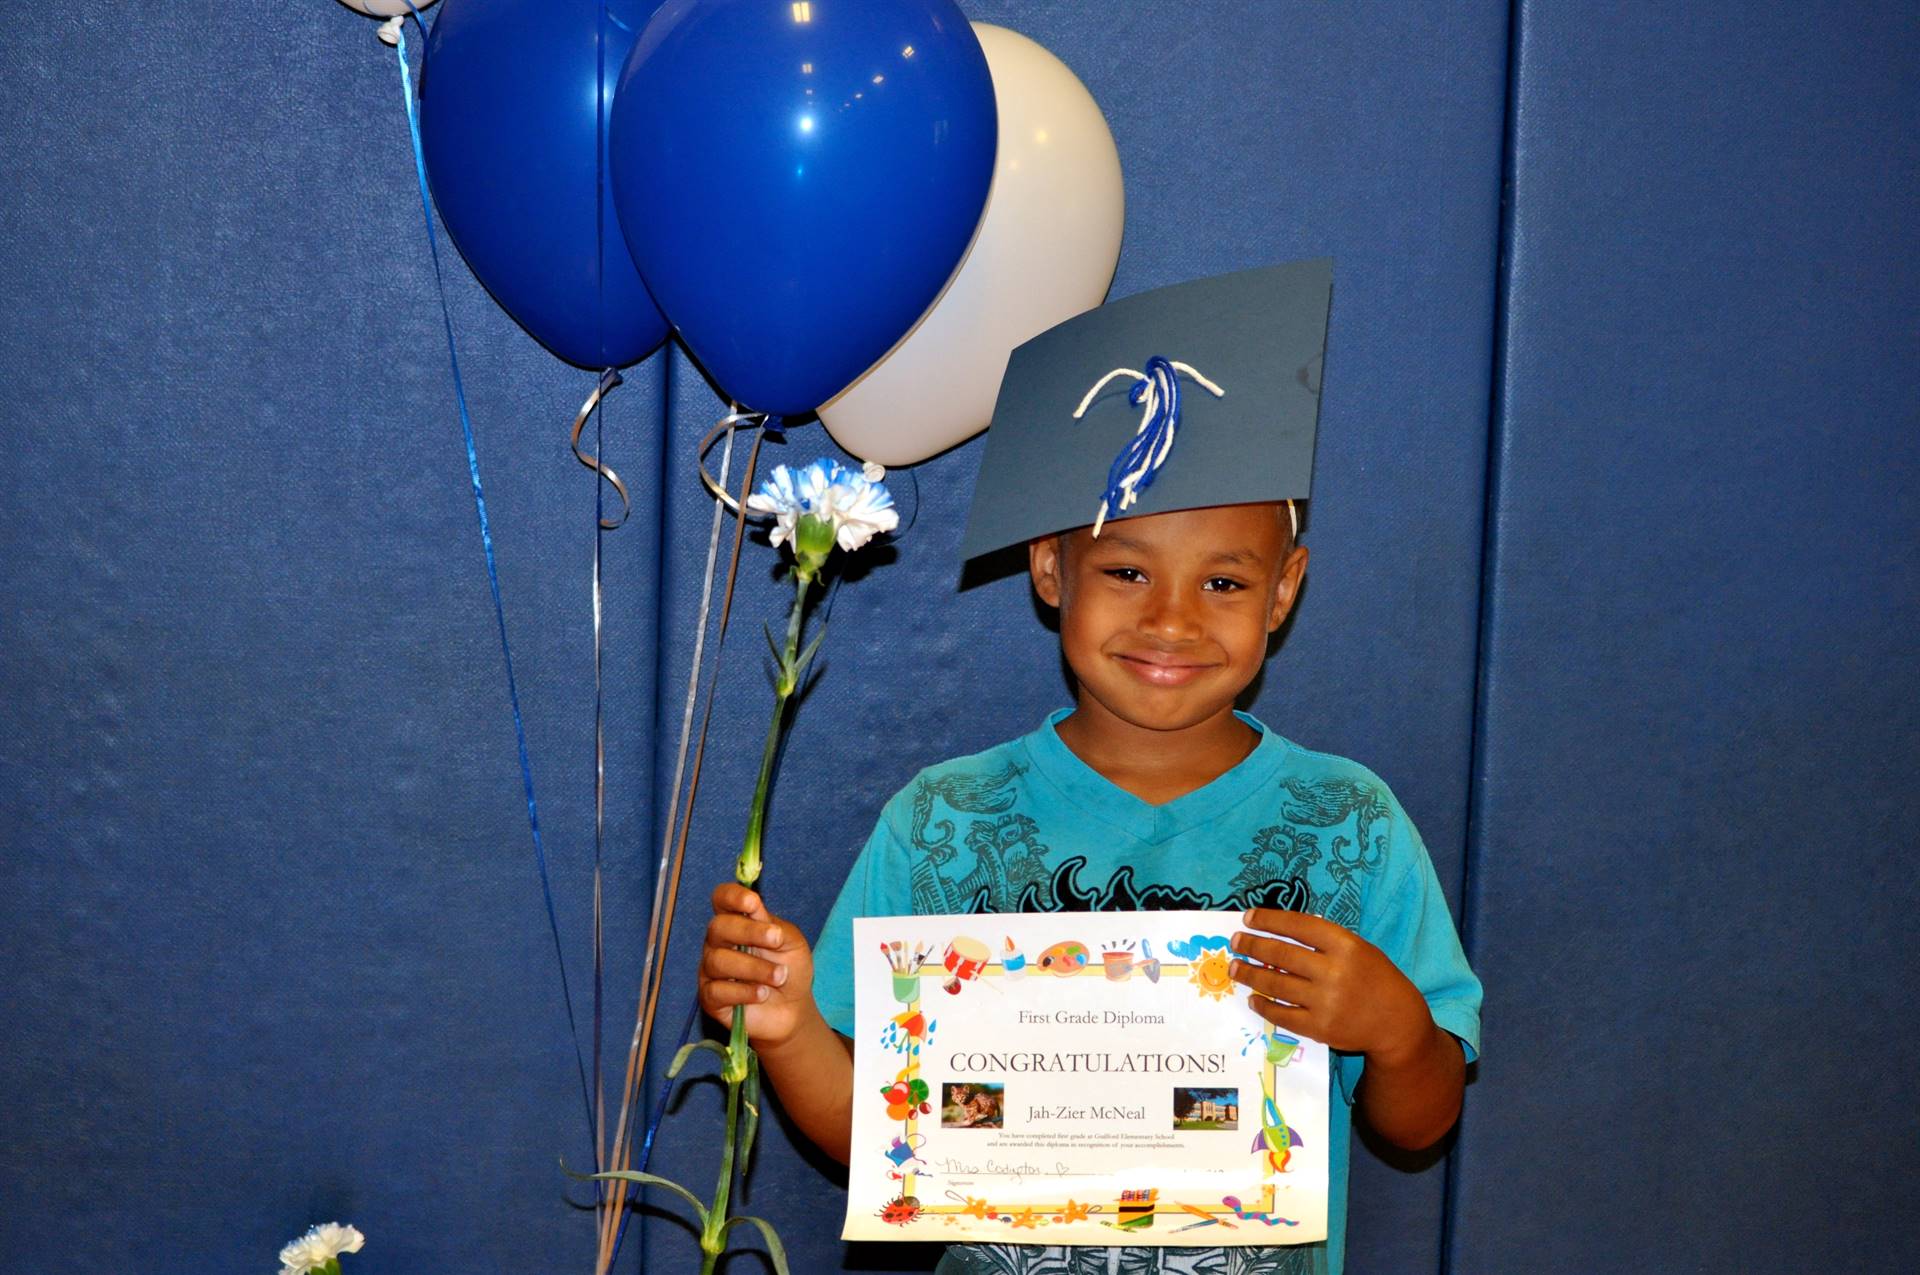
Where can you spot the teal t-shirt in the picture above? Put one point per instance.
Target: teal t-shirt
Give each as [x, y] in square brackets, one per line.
[1028, 826]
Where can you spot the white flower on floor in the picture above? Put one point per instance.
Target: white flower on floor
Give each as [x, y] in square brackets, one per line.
[320, 1248]
[837, 500]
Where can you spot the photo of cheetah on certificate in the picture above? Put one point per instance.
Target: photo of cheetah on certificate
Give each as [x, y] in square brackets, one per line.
[1077, 1075]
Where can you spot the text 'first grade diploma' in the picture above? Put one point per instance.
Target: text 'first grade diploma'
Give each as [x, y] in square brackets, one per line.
[1076, 1078]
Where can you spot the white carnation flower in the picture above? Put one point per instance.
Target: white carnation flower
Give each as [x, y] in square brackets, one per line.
[334, 1239]
[858, 508]
[317, 1247]
[297, 1257]
[779, 496]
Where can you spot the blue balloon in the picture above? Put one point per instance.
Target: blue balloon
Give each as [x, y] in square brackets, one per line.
[797, 180]
[514, 99]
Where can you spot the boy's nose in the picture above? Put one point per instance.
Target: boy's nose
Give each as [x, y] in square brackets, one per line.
[1170, 617]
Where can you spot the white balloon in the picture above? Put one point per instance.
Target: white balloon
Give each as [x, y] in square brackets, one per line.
[1045, 251]
[385, 8]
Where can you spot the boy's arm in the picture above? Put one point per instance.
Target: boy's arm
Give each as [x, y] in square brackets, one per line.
[813, 1074]
[1413, 1101]
[1335, 987]
[805, 1061]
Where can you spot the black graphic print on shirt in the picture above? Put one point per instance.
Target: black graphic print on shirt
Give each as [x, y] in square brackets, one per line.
[1000, 863]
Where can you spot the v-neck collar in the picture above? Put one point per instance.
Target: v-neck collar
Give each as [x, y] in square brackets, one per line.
[1091, 793]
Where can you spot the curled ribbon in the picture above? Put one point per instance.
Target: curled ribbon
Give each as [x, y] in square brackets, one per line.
[608, 379]
[734, 419]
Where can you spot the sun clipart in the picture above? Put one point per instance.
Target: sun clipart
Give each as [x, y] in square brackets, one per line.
[1211, 974]
[1209, 967]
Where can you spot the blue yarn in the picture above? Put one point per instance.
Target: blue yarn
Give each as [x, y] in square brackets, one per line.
[1165, 419]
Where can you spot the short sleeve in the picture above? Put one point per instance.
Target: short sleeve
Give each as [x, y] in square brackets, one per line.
[879, 884]
[1409, 921]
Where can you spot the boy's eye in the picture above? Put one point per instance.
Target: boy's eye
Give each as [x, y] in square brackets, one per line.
[1225, 584]
[1126, 575]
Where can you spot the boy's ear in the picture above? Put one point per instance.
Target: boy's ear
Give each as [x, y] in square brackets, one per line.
[1287, 587]
[1043, 564]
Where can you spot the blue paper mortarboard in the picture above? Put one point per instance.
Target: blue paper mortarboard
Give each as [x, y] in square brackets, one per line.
[1257, 336]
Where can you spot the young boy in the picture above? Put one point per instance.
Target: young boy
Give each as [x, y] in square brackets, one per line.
[1153, 791]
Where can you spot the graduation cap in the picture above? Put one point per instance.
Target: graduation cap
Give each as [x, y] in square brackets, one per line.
[1194, 395]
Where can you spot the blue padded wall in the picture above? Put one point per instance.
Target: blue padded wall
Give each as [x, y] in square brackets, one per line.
[1693, 894]
[271, 942]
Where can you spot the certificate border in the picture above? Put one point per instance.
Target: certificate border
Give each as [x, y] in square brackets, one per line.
[1134, 1218]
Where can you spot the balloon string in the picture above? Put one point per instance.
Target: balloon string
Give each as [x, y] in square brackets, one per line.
[727, 424]
[493, 569]
[673, 814]
[694, 668]
[608, 380]
[660, 931]
[596, 405]
[654, 1121]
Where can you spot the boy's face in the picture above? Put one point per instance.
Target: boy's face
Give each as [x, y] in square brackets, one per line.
[1164, 619]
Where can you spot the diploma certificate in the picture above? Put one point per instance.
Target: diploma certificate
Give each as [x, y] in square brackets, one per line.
[1076, 1078]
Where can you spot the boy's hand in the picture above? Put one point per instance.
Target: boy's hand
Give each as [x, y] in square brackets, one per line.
[773, 978]
[1338, 989]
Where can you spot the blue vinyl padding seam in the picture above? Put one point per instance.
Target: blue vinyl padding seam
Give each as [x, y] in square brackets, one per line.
[1470, 859]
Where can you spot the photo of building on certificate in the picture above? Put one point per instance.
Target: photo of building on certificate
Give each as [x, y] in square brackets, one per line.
[1076, 1078]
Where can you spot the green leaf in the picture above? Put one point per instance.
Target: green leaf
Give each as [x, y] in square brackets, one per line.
[644, 1179]
[750, 1094]
[688, 1051]
[806, 656]
[774, 1248]
[772, 645]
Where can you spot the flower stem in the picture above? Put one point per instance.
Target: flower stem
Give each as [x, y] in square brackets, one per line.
[746, 871]
[713, 1238]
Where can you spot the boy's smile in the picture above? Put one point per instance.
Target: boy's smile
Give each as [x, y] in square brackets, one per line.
[1164, 619]
[1158, 669]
